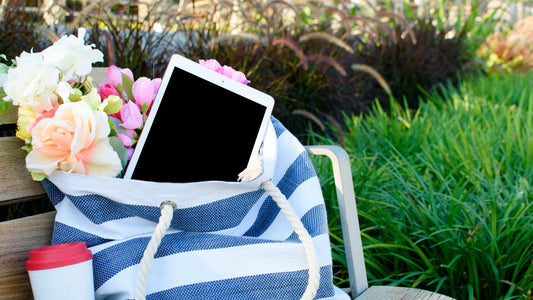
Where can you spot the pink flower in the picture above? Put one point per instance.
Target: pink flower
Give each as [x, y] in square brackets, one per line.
[106, 89]
[44, 115]
[126, 140]
[212, 64]
[144, 91]
[114, 75]
[157, 83]
[73, 140]
[227, 71]
[130, 133]
[130, 152]
[131, 116]
[235, 75]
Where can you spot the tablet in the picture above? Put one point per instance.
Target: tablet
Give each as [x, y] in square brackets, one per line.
[203, 126]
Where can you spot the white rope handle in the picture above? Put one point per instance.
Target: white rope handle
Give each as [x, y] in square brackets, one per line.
[167, 209]
[307, 242]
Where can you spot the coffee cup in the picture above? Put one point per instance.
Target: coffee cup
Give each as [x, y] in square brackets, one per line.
[62, 271]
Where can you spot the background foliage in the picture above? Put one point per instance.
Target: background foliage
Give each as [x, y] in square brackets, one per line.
[319, 60]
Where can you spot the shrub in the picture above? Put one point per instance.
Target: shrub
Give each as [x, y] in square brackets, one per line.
[19, 30]
[420, 62]
[143, 41]
[444, 193]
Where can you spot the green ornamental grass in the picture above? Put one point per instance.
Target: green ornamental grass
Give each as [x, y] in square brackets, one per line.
[444, 193]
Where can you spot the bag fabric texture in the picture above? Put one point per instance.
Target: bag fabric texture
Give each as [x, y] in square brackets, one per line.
[227, 240]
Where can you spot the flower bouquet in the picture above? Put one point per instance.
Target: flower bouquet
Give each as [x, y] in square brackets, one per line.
[68, 124]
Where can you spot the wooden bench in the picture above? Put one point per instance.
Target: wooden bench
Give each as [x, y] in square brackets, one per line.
[19, 236]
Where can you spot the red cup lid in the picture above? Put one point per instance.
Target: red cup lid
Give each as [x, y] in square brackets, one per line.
[56, 256]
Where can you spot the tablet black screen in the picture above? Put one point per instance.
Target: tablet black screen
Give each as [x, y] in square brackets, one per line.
[200, 132]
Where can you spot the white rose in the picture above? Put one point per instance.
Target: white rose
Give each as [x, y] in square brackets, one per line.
[32, 82]
[72, 56]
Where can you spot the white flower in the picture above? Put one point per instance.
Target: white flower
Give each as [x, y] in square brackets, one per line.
[32, 82]
[64, 90]
[72, 56]
[3, 79]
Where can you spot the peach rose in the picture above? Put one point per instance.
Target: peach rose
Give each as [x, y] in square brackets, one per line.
[74, 140]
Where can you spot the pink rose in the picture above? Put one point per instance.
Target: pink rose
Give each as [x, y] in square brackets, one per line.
[44, 115]
[235, 75]
[157, 83]
[131, 116]
[73, 140]
[144, 91]
[106, 89]
[212, 64]
[126, 140]
[130, 152]
[114, 75]
[227, 71]
[130, 133]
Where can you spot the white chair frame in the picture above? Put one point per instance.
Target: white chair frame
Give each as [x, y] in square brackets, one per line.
[351, 233]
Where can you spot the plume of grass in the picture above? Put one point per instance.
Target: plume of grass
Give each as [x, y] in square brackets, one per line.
[375, 74]
[329, 38]
[294, 47]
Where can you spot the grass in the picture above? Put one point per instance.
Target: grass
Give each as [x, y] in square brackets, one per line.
[445, 193]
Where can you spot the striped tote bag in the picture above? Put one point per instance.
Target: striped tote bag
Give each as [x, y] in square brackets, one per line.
[266, 238]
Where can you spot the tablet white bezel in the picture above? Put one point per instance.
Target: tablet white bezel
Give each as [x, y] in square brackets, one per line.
[180, 62]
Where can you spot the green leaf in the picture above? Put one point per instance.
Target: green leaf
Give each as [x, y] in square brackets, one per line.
[115, 126]
[75, 96]
[114, 105]
[127, 85]
[27, 147]
[4, 68]
[119, 148]
[38, 176]
[93, 99]
[4, 105]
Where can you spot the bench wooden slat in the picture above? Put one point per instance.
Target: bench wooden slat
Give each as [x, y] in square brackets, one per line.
[17, 238]
[16, 183]
[392, 292]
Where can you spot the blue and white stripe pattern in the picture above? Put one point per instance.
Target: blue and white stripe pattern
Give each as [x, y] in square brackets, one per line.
[227, 240]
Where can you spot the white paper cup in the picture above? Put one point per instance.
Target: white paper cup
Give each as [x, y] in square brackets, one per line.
[63, 271]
